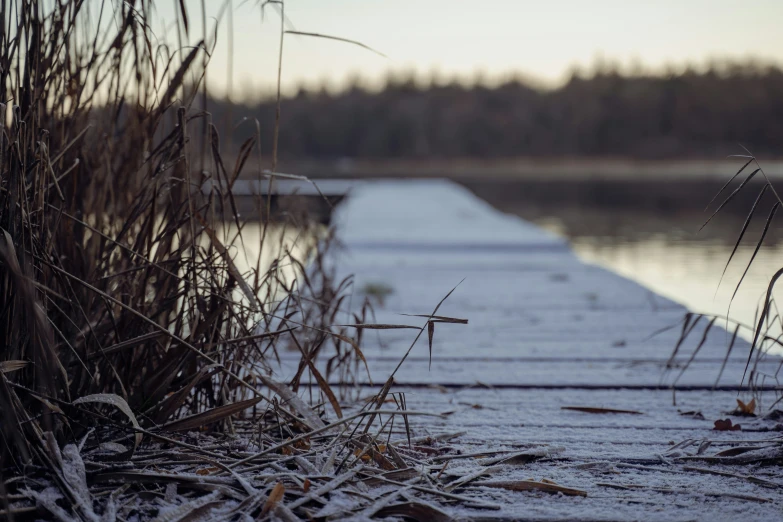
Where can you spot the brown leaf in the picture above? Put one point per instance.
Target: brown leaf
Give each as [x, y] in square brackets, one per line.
[326, 389]
[532, 485]
[303, 444]
[726, 425]
[733, 452]
[370, 453]
[274, 497]
[306, 485]
[746, 410]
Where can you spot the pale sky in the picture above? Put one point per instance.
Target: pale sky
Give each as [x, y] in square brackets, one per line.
[541, 39]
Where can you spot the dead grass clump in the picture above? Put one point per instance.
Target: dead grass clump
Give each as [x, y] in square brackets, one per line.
[136, 345]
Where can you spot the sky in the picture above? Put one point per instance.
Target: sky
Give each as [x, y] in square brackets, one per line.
[492, 40]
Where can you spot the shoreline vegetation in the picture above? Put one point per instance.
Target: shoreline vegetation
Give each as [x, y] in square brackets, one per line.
[138, 353]
[691, 114]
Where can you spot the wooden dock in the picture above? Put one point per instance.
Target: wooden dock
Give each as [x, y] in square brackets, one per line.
[547, 333]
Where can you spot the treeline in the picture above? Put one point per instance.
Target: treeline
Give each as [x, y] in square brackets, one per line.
[684, 115]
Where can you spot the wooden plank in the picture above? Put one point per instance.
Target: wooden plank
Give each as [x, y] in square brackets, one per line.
[594, 452]
[551, 373]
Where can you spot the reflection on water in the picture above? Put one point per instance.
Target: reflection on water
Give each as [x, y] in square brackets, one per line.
[689, 271]
[275, 252]
[653, 237]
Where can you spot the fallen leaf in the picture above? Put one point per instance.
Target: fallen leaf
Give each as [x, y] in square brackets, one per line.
[726, 425]
[274, 497]
[532, 485]
[746, 410]
[306, 485]
[733, 452]
[303, 444]
[376, 456]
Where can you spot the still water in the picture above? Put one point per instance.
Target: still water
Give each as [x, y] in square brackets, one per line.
[651, 235]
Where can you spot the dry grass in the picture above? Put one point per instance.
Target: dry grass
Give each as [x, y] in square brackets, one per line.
[769, 321]
[137, 348]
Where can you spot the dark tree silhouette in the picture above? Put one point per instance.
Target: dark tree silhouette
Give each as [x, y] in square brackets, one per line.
[690, 114]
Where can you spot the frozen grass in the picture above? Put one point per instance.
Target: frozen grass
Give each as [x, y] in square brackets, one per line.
[137, 349]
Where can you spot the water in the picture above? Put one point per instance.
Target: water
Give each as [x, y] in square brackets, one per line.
[689, 271]
[651, 235]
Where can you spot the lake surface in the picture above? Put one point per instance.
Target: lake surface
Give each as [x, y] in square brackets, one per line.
[649, 232]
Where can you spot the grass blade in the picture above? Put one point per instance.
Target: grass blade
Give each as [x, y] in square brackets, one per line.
[696, 351]
[119, 403]
[210, 416]
[762, 317]
[756, 250]
[728, 353]
[742, 232]
[338, 39]
[731, 196]
[729, 182]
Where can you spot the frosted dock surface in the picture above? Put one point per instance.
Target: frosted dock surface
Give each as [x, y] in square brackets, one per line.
[548, 331]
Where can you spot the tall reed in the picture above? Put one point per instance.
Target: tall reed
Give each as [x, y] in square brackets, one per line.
[117, 274]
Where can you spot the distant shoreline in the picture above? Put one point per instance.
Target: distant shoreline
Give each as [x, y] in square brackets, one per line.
[533, 169]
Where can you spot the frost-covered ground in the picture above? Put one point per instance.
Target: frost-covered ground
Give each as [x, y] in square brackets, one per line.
[553, 402]
[547, 331]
